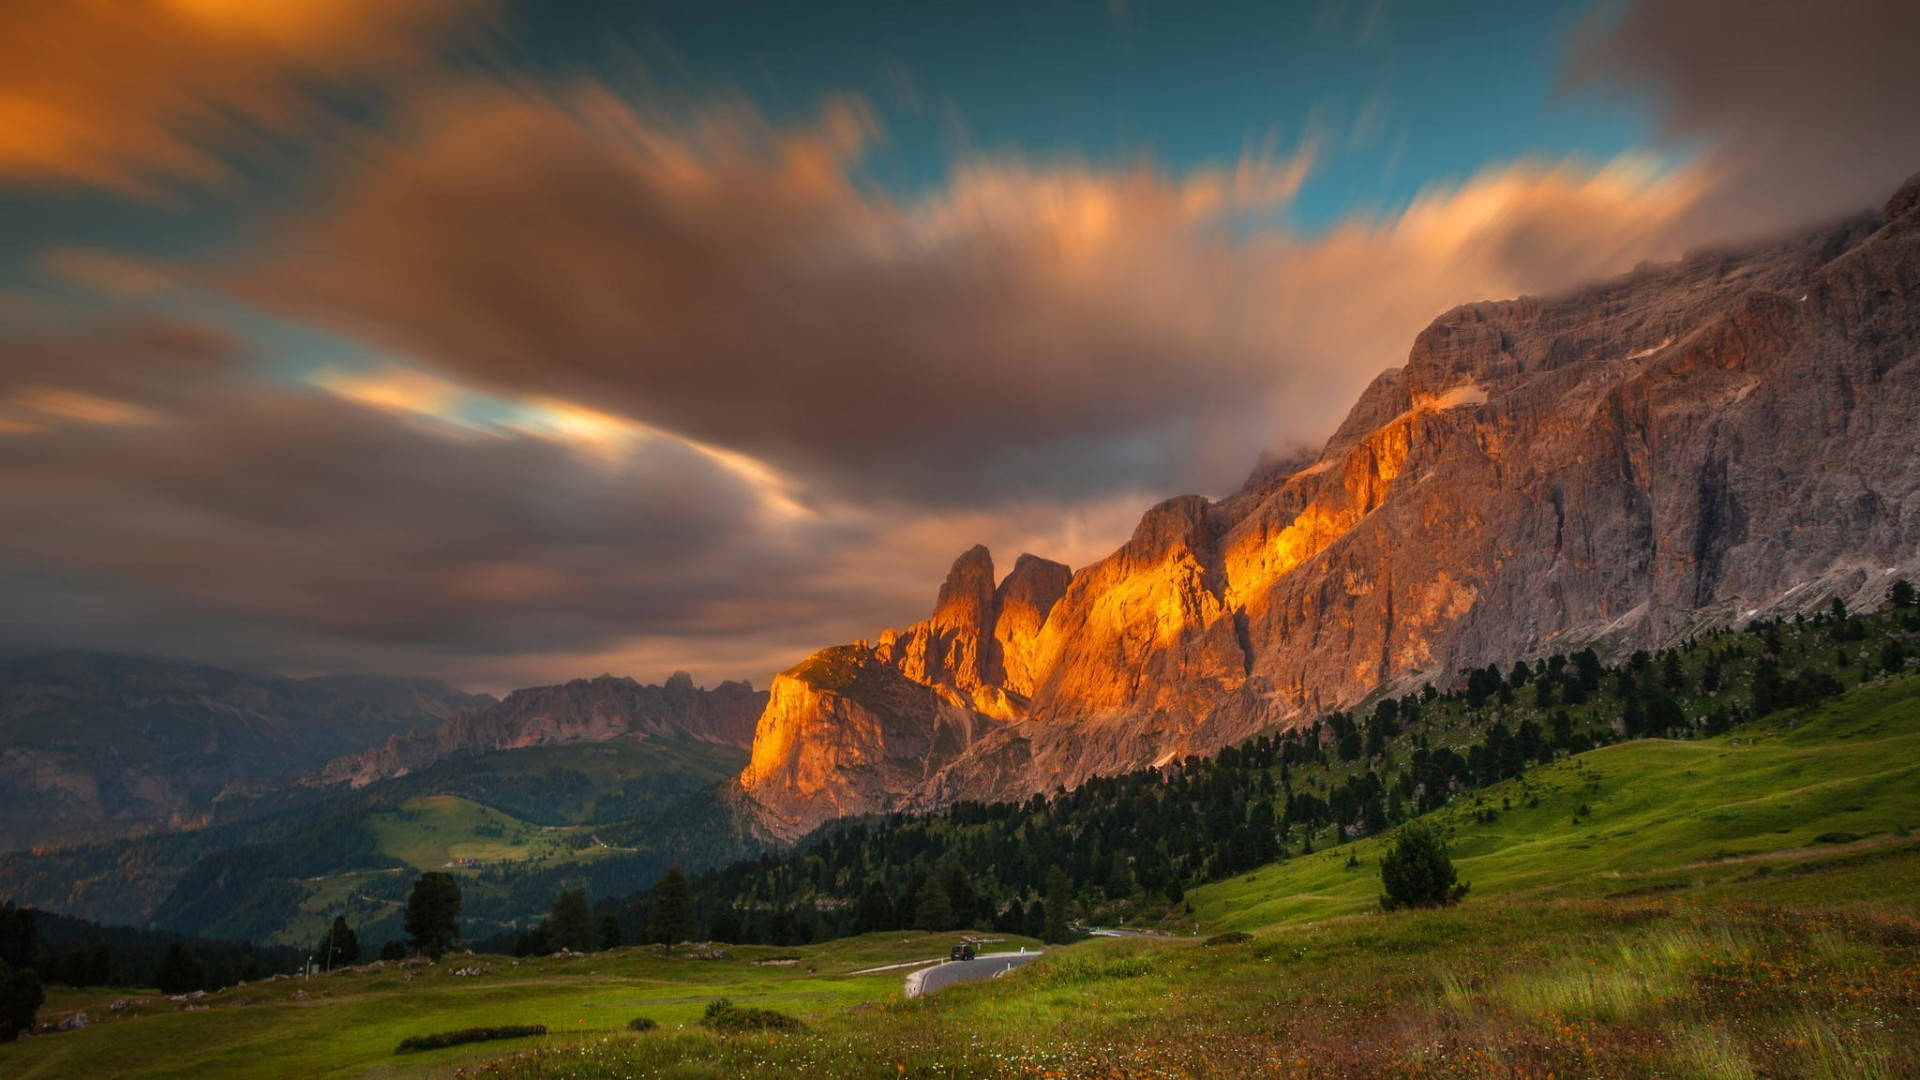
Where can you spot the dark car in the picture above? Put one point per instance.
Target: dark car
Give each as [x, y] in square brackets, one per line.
[960, 952]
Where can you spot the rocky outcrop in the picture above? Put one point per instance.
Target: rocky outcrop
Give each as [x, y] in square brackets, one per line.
[584, 710]
[854, 727]
[1689, 444]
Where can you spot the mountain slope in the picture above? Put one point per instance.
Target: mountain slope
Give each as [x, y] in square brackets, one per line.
[93, 742]
[1678, 447]
[582, 711]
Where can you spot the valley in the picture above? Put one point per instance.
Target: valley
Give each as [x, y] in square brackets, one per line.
[1634, 911]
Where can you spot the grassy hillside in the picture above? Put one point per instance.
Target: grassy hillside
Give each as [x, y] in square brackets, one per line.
[1735, 906]
[522, 820]
[349, 1023]
[1644, 815]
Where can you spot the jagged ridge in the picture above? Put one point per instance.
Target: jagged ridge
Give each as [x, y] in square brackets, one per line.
[1680, 446]
[584, 710]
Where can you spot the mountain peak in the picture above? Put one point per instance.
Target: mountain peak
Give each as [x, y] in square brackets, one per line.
[1620, 464]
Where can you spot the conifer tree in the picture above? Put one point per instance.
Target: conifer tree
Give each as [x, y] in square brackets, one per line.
[671, 919]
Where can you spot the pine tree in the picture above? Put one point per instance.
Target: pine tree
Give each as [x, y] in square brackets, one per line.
[1059, 899]
[569, 924]
[876, 909]
[671, 919]
[1417, 870]
[179, 971]
[1901, 594]
[20, 998]
[433, 913]
[932, 907]
[339, 948]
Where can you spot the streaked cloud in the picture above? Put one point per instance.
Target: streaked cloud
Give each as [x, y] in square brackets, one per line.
[1030, 329]
[136, 95]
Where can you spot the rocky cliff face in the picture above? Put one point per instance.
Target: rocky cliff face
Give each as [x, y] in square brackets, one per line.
[854, 727]
[1689, 444]
[584, 710]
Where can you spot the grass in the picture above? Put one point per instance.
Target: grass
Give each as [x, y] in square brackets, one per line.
[432, 832]
[351, 1021]
[1657, 815]
[1651, 909]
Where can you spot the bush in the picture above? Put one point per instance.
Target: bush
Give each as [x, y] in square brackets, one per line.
[642, 1023]
[1835, 838]
[724, 1016]
[1417, 871]
[1231, 937]
[416, 1043]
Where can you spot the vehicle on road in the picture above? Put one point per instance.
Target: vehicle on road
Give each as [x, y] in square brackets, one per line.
[960, 952]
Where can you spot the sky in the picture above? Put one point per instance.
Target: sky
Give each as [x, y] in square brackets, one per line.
[509, 342]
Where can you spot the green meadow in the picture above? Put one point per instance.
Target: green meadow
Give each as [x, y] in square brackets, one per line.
[1739, 906]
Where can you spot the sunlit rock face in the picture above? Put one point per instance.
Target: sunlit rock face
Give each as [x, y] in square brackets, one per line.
[1679, 447]
[584, 710]
[867, 726]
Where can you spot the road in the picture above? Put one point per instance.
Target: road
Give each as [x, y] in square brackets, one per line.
[985, 966]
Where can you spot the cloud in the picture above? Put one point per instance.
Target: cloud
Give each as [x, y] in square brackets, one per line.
[1029, 330]
[132, 96]
[308, 528]
[1799, 112]
[105, 272]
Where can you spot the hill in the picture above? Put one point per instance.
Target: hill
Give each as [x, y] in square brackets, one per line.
[1733, 905]
[94, 744]
[614, 814]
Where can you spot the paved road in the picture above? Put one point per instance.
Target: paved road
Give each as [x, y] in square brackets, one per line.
[985, 966]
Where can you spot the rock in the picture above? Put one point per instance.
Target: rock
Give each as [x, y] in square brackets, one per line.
[1621, 466]
[584, 710]
[72, 1023]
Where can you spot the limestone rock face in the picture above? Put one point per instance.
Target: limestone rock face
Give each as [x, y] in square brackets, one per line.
[584, 710]
[865, 726]
[1022, 603]
[1688, 445]
[844, 732]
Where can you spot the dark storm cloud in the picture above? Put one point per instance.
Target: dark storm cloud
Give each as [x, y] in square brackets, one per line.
[291, 524]
[736, 284]
[1803, 111]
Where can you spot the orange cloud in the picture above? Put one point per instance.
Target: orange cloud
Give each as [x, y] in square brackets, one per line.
[131, 95]
[103, 271]
[1031, 329]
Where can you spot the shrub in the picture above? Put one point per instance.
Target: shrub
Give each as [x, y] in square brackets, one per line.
[642, 1023]
[1231, 937]
[724, 1016]
[1835, 838]
[1417, 870]
[414, 1044]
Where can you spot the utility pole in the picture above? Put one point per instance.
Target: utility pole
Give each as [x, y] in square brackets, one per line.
[331, 922]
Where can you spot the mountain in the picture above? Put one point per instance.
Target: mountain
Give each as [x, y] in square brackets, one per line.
[1684, 446]
[582, 711]
[93, 743]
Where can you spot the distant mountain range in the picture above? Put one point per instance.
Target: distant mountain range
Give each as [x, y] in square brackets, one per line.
[582, 711]
[97, 743]
[1684, 446]
[180, 795]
